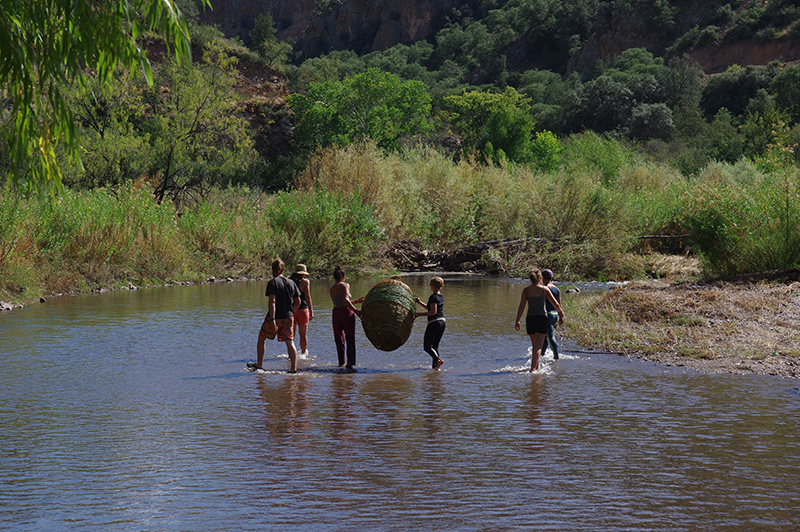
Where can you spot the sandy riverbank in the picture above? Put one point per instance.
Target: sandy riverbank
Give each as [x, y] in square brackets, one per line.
[720, 327]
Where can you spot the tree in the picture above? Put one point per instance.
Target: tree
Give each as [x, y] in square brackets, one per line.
[198, 139]
[786, 87]
[373, 105]
[494, 123]
[45, 45]
[263, 42]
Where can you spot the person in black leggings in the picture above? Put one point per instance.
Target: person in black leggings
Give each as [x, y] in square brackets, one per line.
[436, 321]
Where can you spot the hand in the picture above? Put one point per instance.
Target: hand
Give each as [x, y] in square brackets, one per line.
[516, 326]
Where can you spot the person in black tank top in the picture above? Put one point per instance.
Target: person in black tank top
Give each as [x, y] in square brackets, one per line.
[535, 295]
[436, 321]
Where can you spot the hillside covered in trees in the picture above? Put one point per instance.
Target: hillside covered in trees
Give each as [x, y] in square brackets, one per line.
[578, 131]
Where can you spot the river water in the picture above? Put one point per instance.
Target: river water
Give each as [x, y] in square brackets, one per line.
[134, 411]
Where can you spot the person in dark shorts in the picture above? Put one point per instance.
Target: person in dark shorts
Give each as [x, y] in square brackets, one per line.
[552, 313]
[536, 324]
[436, 321]
[284, 300]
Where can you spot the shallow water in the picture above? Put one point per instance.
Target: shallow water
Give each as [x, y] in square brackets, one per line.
[134, 411]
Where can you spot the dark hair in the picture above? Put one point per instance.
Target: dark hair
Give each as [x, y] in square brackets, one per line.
[338, 274]
[547, 274]
[277, 267]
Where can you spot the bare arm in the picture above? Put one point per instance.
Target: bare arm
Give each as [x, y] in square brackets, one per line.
[523, 300]
[349, 304]
[271, 307]
[305, 287]
[431, 312]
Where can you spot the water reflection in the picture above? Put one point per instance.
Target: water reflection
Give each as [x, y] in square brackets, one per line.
[287, 417]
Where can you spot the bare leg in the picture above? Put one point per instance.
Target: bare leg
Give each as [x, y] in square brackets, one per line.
[290, 347]
[537, 342]
[302, 331]
[262, 338]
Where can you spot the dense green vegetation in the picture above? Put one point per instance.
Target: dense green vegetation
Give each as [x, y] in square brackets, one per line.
[437, 142]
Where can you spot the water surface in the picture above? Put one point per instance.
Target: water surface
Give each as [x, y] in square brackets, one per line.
[134, 411]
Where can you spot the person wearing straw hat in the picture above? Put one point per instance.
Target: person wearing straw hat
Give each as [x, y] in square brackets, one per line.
[552, 313]
[436, 321]
[536, 324]
[305, 313]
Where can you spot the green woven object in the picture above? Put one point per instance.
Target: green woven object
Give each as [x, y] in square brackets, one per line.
[387, 314]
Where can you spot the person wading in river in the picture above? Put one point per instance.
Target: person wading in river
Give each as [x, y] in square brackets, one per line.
[536, 324]
[305, 313]
[344, 320]
[284, 300]
[436, 321]
[552, 314]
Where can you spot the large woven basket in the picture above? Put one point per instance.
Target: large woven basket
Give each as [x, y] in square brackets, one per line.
[387, 314]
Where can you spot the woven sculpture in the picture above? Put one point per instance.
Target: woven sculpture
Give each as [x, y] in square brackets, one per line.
[387, 314]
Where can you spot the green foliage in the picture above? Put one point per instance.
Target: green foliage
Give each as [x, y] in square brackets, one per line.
[724, 141]
[759, 130]
[631, 63]
[113, 151]
[45, 46]
[263, 41]
[331, 227]
[734, 88]
[197, 139]
[494, 124]
[547, 151]
[740, 230]
[590, 152]
[786, 88]
[373, 105]
[663, 17]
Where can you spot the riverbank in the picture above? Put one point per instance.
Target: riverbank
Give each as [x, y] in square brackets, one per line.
[739, 327]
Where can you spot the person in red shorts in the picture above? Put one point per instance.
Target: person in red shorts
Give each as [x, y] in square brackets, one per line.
[305, 313]
[284, 300]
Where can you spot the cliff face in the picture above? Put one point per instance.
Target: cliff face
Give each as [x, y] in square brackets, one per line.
[360, 25]
[370, 25]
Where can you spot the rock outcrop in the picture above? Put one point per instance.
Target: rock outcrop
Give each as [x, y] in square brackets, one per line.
[319, 26]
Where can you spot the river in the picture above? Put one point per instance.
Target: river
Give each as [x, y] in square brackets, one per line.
[133, 410]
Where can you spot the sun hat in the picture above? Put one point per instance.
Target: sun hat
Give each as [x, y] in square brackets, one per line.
[547, 274]
[300, 269]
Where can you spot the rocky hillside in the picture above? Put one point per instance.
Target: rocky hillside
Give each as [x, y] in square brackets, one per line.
[320, 26]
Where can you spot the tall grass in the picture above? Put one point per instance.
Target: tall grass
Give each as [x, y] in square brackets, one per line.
[349, 204]
[746, 221]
